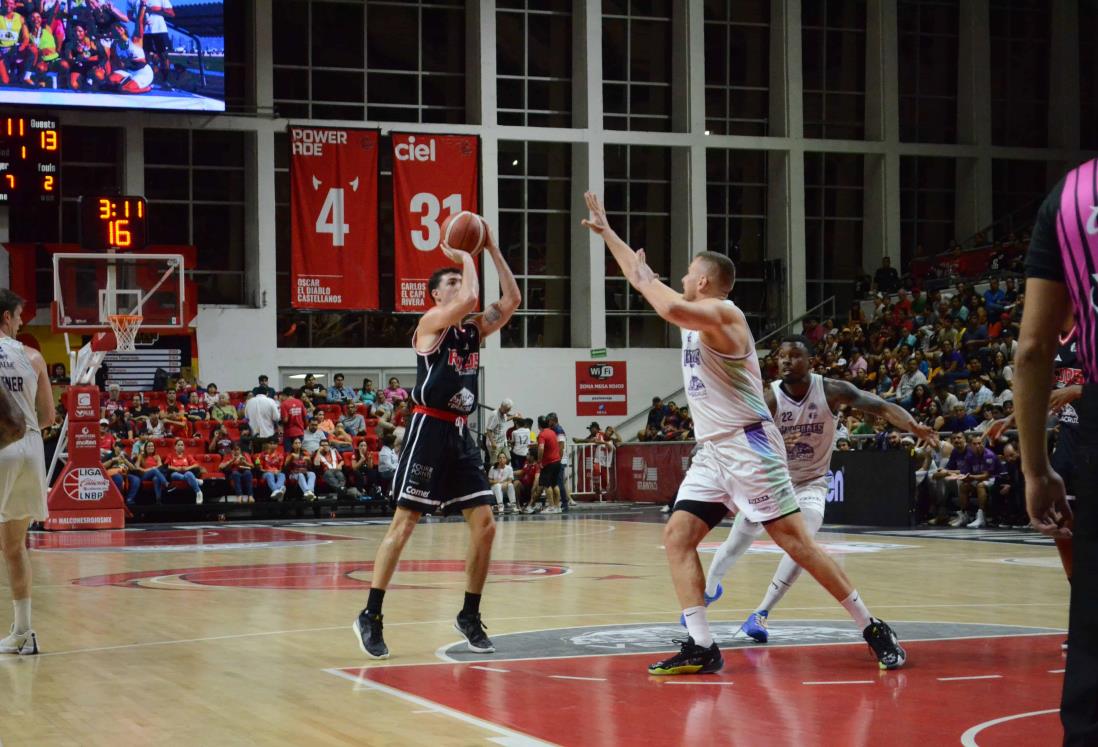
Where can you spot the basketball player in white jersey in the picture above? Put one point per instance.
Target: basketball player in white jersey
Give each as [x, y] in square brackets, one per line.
[22, 466]
[804, 404]
[740, 461]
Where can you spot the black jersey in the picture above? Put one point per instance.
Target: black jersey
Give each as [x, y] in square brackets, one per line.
[446, 377]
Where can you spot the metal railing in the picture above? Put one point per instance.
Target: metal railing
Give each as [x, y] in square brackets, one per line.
[824, 309]
[591, 470]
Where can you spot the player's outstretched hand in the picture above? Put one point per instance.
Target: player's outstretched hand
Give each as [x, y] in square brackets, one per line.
[490, 237]
[641, 272]
[1046, 503]
[926, 434]
[596, 221]
[457, 256]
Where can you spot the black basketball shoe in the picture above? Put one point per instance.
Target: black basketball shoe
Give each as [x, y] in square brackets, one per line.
[885, 644]
[472, 628]
[691, 659]
[367, 627]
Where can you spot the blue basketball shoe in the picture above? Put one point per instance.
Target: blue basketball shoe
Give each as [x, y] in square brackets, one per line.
[708, 601]
[755, 626]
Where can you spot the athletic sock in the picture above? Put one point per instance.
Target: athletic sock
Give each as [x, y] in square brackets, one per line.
[22, 615]
[736, 544]
[472, 604]
[698, 626]
[788, 571]
[857, 609]
[373, 602]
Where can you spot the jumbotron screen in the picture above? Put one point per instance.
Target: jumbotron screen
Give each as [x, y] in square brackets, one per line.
[132, 54]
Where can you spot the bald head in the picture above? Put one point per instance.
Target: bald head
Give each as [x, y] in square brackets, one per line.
[720, 270]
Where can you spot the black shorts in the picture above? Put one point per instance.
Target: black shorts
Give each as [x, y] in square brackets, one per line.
[157, 43]
[439, 469]
[550, 475]
[517, 461]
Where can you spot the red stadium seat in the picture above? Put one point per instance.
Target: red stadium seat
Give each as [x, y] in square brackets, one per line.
[348, 458]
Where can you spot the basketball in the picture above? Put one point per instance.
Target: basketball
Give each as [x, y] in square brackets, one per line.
[465, 231]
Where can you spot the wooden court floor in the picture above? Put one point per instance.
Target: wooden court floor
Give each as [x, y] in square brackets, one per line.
[225, 635]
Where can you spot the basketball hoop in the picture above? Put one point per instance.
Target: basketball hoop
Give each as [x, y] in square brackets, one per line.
[125, 328]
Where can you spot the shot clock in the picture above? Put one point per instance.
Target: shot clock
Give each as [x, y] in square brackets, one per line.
[113, 222]
[30, 160]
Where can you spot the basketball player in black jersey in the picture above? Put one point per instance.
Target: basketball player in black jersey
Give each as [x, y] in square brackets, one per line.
[439, 469]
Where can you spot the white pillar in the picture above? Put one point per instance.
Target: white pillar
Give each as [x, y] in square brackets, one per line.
[785, 180]
[973, 194]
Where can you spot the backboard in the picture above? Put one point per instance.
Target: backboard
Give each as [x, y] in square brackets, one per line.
[89, 287]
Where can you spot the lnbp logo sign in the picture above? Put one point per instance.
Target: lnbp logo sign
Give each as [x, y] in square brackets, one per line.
[835, 486]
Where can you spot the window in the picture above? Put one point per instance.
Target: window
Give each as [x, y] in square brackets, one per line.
[394, 61]
[1017, 189]
[636, 65]
[929, 40]
[1088, 76]
[833, 208]
[1019, 72]
[534, 63]
[194, 182]
[319, 329]
[535, 236]
[927, 195]
[736, 200]
[737, 67]
[638, 205]
[833, 65]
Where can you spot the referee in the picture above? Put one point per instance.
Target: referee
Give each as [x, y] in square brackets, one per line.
[1062, 272]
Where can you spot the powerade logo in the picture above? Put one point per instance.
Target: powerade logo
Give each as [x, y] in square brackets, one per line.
[601, 372]
[835, 486]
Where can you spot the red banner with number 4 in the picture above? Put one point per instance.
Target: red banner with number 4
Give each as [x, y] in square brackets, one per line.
[434, 177]
[333, 178]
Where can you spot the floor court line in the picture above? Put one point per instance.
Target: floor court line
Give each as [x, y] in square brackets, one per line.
[840, 682]
[968, 739]
[686, 682]
[582, 679]
[514, 738]
[971, 677]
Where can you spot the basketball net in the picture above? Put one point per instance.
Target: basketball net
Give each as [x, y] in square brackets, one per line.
[125, 327]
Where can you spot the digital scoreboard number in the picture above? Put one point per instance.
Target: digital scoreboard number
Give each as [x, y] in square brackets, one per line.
[113, 222]
[30, 160]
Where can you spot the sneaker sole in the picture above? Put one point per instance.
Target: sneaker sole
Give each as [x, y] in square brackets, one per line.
[472, 647]
[687, 669]
[361, 645]
[756, 637]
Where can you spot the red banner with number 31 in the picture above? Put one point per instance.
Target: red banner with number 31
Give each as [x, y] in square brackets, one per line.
[333, 178]
[434, 177]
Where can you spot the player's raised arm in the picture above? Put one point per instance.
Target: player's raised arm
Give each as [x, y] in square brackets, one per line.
[499, 313]
[703, 314]
[845, 393]
[455, 297]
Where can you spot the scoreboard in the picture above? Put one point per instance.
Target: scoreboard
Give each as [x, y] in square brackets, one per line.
[30, 160]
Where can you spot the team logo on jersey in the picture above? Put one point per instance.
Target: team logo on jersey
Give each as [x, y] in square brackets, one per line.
[691, 358]
[697, 389]
[464, 364]
[800, 452]
[463, 401]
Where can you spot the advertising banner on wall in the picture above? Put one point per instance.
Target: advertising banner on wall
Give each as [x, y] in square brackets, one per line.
[434, 177]
[601, 388]
[651, 473]
[333, 203]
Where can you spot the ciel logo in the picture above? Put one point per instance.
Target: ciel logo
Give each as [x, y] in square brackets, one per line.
[411, 151]
[603, 371]
[835, 486]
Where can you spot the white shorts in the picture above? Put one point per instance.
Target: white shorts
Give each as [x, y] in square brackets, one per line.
[143, 77]
[23, 480]
[746, 471]
[812, 495]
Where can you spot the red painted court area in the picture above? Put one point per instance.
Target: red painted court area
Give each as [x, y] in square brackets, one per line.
[798, 695]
